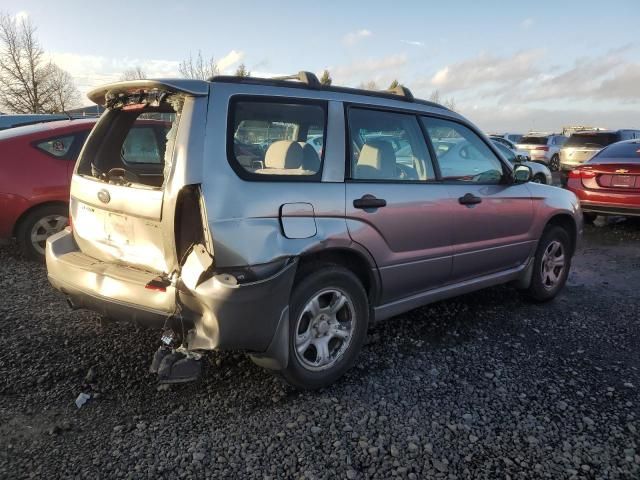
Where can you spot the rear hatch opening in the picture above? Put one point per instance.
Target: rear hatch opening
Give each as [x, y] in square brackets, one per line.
[134, 146]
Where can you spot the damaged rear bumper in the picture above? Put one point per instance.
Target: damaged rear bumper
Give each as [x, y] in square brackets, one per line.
[217, 313]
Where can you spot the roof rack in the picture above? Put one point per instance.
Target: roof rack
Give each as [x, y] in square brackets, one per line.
[306, 79]
[302, 76]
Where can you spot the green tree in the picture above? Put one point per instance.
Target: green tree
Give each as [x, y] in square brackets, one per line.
[242, 71]
[326, 79]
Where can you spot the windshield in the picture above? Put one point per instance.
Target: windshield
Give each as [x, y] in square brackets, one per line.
[133, 144]
[591, 140]
[619, 153]
[533, 140]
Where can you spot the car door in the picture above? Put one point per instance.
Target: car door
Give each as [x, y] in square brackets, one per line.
[395, 207]
[492, 217]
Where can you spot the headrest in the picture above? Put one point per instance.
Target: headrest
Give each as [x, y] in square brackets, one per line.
[310, 158]
[379, 156]
[283, 154]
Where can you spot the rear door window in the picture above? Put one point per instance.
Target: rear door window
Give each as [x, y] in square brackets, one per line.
[59, 147]
[271, 139]
[388, 146]
[142, 146]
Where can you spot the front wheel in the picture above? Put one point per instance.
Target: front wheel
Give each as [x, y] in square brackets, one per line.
[551, 265]
[329, 315]
[554, 163]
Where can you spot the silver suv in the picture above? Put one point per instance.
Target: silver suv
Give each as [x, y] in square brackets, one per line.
[543, 148]
[583, 145]
[232, 232]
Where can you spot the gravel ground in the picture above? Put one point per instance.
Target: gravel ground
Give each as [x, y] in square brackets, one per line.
[483, 386]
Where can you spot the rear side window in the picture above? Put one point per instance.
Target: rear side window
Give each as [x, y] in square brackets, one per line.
[271, 139]
[534, 140]
[58, 147]
[591, 140]
[388, 146]
[630, 152]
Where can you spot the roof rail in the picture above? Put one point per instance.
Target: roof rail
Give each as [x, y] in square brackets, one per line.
[401, 91]
[302, 76]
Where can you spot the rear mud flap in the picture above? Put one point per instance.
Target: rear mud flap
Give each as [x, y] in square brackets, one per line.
[232, 315]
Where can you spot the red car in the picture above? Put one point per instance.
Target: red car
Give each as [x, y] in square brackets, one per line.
[36, 162]
[609, 183]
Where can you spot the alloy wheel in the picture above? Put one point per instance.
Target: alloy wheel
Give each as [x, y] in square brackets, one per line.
[44, 228]
[553, 264]
[324, 329]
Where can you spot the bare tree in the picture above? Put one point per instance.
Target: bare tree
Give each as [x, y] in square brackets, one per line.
[450, 102]
[64, 94]
[326, 79]
[135, 73]
[370, 85]
[198, 68]
[28, 82]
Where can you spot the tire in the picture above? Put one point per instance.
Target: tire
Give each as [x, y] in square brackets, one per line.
[546, 282]
[37, 226]
[539, 178]
[554, 163]
[306, 370]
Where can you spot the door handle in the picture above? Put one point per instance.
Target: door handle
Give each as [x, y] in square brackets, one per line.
[369, 201]
[469, 199]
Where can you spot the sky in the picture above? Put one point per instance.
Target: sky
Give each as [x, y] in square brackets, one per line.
[509, 66]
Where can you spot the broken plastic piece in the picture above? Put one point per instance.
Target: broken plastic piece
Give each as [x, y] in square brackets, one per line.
[178, 368]
[157, 359]
[82, 399]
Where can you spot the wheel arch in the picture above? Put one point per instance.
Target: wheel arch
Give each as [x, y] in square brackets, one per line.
[33, 208]
[354, 260]
[567, 222]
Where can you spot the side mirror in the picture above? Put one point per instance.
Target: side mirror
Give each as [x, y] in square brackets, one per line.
[522, 174]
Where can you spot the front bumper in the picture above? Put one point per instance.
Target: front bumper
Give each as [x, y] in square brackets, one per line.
[214, 315]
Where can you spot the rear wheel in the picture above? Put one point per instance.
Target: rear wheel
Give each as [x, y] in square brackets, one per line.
[39, 225]
[539, 178]
[551, 265]
[554, 163]
[328, 323]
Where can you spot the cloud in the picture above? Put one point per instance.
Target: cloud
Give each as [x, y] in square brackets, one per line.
[368, 69]
[230, 59]
[487, 69]
[622, 86]
[527, 23]
[523, 118]
[90, 71]
[415, 43]
[21, 15]
[352, 38]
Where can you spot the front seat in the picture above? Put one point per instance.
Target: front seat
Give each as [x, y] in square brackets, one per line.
[283, 157]
[377, 161]
[310, 158]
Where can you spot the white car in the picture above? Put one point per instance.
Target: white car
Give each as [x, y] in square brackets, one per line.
[520, 154]
[544, 148]
[539, 172]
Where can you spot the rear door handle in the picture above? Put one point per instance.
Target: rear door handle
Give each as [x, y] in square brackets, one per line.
[469, 199]
[369, 201]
